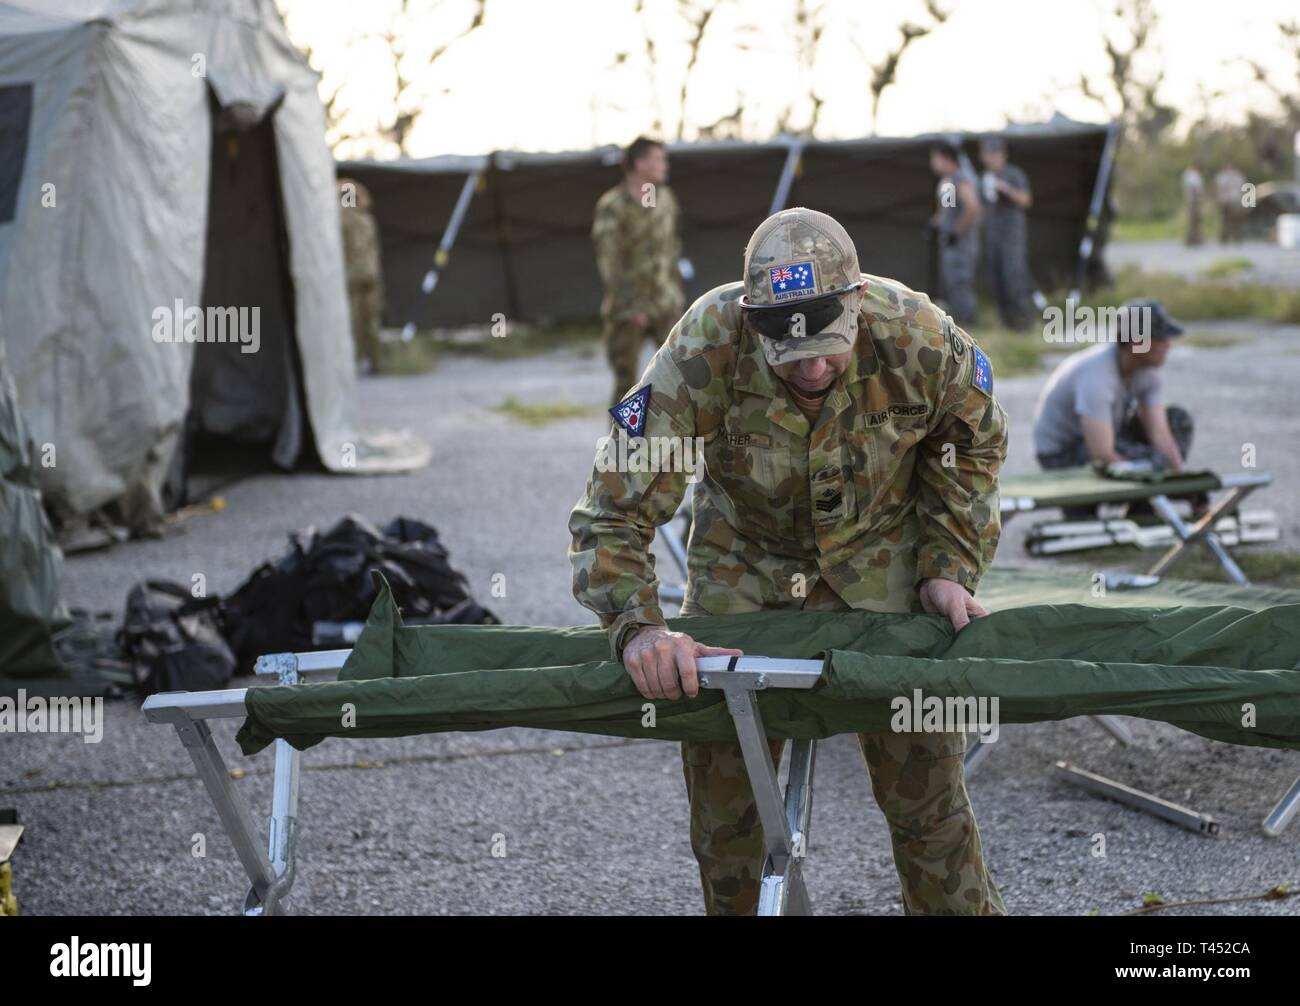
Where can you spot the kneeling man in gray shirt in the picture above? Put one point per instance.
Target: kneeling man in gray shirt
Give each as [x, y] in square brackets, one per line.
[1106, 404]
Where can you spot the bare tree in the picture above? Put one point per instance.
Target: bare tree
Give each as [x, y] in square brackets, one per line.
[329, 94]
[725, 127]
[1134, 98]
[808, 25]
[885, 73]
[1288, 96]
[652, 65]
[406, 97]
[697, 16]
[409, 20]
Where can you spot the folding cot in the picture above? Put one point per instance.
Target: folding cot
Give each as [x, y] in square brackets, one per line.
[785, 816]
[1078, 487]
[1073, 487]
[406, 680]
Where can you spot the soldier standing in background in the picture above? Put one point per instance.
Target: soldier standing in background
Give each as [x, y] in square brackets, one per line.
[956, 224]
[637, 246]
[1007, 196]
[1227, 192]
[852, 446]
[364, 273]
[1193, 193]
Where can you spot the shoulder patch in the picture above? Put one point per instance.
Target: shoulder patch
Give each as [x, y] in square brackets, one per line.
[981, 375]
[954, 339]
[630, 413]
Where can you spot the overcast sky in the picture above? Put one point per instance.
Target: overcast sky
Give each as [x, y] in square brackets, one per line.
[543, 75]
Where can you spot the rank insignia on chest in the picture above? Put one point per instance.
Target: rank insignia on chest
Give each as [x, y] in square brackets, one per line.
[631, 412]
[981, 375]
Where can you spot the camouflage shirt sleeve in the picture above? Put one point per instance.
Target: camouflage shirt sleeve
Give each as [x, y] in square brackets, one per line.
[615, 521]
[957, 468]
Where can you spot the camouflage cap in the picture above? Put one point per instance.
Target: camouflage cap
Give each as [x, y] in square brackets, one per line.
[797, 258]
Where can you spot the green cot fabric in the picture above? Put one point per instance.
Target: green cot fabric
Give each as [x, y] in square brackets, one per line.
[1083, 486]
[1018, 587]
[1193, 666]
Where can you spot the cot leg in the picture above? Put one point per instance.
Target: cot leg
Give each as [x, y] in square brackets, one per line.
[1117, 728]
[798, 816]
[976, 752]
[782, 889]
[283, 825]
[1281, 815]
[197, 738]
[1148, 803]
[1200, 531]
[283, 829]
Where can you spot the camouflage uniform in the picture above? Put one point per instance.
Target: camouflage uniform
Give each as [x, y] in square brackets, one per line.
[852, 511]
[637, 248]
[365, 278]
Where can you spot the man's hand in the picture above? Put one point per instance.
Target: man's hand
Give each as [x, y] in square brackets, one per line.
[949, 598]
[640, 319]
[661, 662]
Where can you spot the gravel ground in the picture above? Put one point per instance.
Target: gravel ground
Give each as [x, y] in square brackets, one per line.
[594, 825]
[1271, 264]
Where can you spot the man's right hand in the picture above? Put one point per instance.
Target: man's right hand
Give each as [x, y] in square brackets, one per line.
[640, 319]
[661, 662]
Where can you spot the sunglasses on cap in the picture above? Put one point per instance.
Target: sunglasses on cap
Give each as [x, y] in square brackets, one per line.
[780, 321]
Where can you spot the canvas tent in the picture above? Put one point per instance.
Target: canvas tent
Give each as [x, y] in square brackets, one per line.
[527, 217]
[156, 157]
[31, 608]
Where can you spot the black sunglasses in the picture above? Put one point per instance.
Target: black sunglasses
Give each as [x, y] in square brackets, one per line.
[779, 321]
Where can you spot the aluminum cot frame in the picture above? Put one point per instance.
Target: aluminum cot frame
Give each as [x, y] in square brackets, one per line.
[271, 869]
[1239, 486]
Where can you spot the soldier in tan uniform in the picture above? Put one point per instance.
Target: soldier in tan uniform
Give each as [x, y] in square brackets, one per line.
[852, 445]
[364, 273]
[637, 247]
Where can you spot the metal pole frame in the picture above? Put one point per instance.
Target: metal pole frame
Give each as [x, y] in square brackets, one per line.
[781, 196]
[270, 873]
[443, 253]
[1096, 209]
[785, 817]
[1202, 530]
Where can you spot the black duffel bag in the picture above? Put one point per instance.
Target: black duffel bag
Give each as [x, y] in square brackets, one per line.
[326, 578]
[173, 641]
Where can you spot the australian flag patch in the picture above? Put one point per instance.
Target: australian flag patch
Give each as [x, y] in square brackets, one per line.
[981, 374]
[630, 413]
[794, 280]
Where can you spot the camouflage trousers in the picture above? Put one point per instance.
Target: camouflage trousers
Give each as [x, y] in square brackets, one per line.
[367, 303]
[623, 342]
[919, 783]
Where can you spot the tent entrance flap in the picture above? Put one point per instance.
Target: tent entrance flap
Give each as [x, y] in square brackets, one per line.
[245, 386]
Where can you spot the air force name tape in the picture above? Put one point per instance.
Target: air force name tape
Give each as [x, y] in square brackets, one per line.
[981, 375]
[630, 413]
